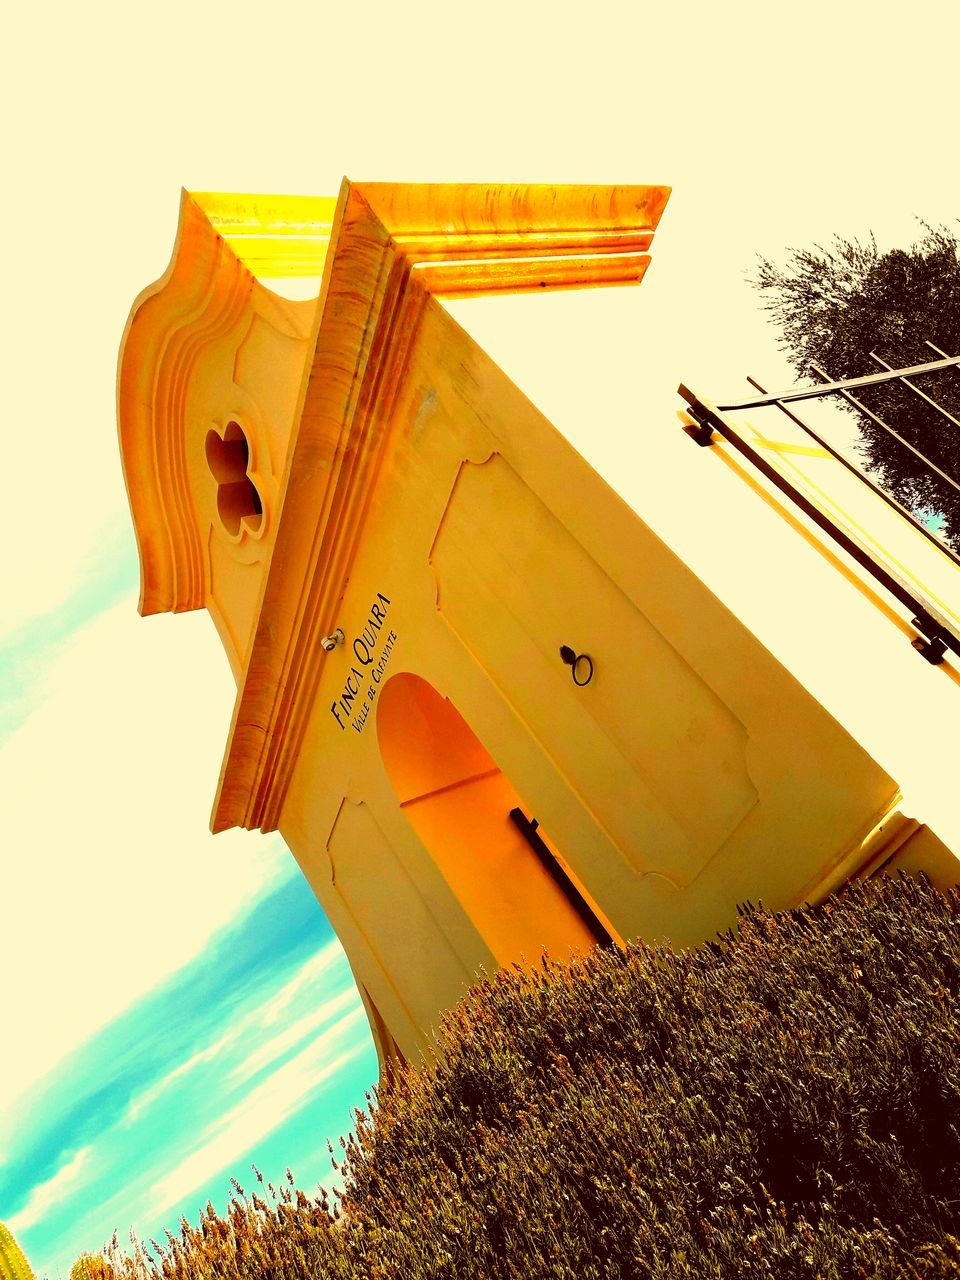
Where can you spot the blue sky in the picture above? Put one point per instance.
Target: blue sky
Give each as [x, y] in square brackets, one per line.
[256, 1051]
[242, 1041]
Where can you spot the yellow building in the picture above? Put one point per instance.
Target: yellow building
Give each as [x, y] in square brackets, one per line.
[487, 708]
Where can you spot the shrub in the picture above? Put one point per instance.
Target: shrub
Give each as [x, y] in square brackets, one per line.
[782, 1102]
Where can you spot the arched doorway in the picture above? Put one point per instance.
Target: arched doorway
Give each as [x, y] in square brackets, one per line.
[505, 875]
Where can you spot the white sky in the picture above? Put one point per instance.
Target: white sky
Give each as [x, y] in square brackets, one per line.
[776, 126]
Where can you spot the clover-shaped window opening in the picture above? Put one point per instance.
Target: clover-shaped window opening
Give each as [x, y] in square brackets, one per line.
[238, 501]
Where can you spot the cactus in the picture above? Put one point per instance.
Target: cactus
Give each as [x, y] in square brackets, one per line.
[89, 1266]
[13, 1265]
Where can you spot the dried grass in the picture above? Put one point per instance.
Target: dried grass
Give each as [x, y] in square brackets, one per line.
[781, 1102]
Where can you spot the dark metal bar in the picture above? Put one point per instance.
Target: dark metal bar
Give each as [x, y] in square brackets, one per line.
[934, 347]
[862, 475]
[813, 393]
[862, 408]
[935, 628]
[916, 390]
[528, 829]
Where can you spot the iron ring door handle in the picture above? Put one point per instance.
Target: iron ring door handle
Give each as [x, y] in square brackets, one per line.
[575, 661]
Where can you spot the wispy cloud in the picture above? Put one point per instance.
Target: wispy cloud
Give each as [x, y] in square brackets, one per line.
[308, 976]
[314, 975]
[279, 1045]
[33, 636]
[262, 1110]
[106, 897]
[175, 1077]
[49, 1193]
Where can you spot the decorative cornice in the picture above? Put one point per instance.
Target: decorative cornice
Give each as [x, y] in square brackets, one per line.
[475, 239]
[198, 298]
[390, 247]
[206, 293]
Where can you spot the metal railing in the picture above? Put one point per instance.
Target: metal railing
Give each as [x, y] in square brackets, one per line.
[937, 632]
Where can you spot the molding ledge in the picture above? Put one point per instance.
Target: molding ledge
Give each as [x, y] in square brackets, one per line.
[205, 293]
[198, 299]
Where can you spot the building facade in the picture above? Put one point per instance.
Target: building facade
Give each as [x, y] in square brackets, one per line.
[488, 709]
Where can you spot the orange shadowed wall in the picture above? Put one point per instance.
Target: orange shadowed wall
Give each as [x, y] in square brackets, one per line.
[459, 803]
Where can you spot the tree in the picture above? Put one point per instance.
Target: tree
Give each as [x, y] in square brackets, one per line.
[835, 305]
